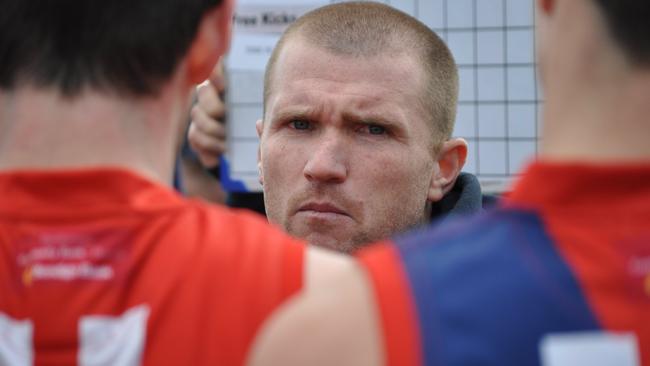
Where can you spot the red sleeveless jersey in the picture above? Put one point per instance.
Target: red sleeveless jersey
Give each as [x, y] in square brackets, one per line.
[102, 267]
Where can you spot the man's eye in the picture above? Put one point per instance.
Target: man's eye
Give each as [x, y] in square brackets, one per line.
[376, 130]
[300, 125]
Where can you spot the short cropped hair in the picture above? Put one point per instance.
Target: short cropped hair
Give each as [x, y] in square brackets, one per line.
[370, 29]
[118, 46]
[629, 23]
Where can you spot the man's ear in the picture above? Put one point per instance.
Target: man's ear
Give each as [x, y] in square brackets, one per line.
[451, 159]
[259, 126]
[211, 42]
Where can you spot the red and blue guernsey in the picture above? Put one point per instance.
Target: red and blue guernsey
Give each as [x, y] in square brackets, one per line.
[558, 275]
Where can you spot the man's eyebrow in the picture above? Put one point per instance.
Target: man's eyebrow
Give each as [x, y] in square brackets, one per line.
[294, 113]
[373, 117]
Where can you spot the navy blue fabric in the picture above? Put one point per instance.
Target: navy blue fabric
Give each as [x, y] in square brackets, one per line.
[488, 288]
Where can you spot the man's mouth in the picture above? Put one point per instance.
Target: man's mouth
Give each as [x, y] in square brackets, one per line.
[322, 208]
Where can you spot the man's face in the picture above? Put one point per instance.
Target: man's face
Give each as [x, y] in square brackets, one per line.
[346, 154]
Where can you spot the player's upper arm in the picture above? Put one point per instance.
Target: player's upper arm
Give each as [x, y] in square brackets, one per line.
[332, 322]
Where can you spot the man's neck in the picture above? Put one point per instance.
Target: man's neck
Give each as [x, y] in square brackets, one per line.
[41, 130]
[605, 122]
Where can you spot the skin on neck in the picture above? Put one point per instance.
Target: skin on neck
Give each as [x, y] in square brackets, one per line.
[42, 130]
[597, 106]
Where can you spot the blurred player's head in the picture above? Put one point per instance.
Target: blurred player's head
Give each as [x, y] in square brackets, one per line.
[359, 106]
[619, 28]
[594, 57]
[97, 83]
[119, 46]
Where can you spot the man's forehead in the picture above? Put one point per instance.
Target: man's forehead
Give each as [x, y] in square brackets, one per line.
[305, 74]
[303, 69]
[287, 97]
[299, 56]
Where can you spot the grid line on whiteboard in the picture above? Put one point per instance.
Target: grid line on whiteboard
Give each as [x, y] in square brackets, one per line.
[505, 85]
[477, 155]
[493, 44]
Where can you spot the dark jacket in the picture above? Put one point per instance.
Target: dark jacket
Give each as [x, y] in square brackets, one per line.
[464, 198]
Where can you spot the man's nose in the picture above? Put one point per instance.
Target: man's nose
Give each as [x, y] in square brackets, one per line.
[327, 160]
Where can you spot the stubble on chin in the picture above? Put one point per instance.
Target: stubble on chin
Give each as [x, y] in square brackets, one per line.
[347, 245]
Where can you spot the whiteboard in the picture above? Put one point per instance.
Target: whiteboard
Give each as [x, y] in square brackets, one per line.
[492, 42]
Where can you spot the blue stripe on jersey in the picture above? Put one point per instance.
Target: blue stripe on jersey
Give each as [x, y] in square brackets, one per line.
[490, 288]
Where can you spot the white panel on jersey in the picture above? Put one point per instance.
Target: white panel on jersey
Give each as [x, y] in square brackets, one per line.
[117, 341]
[590, 348]
[16, 342]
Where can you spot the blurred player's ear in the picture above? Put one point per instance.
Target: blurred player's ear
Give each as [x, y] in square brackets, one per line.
[211, 42]
[546, 6]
